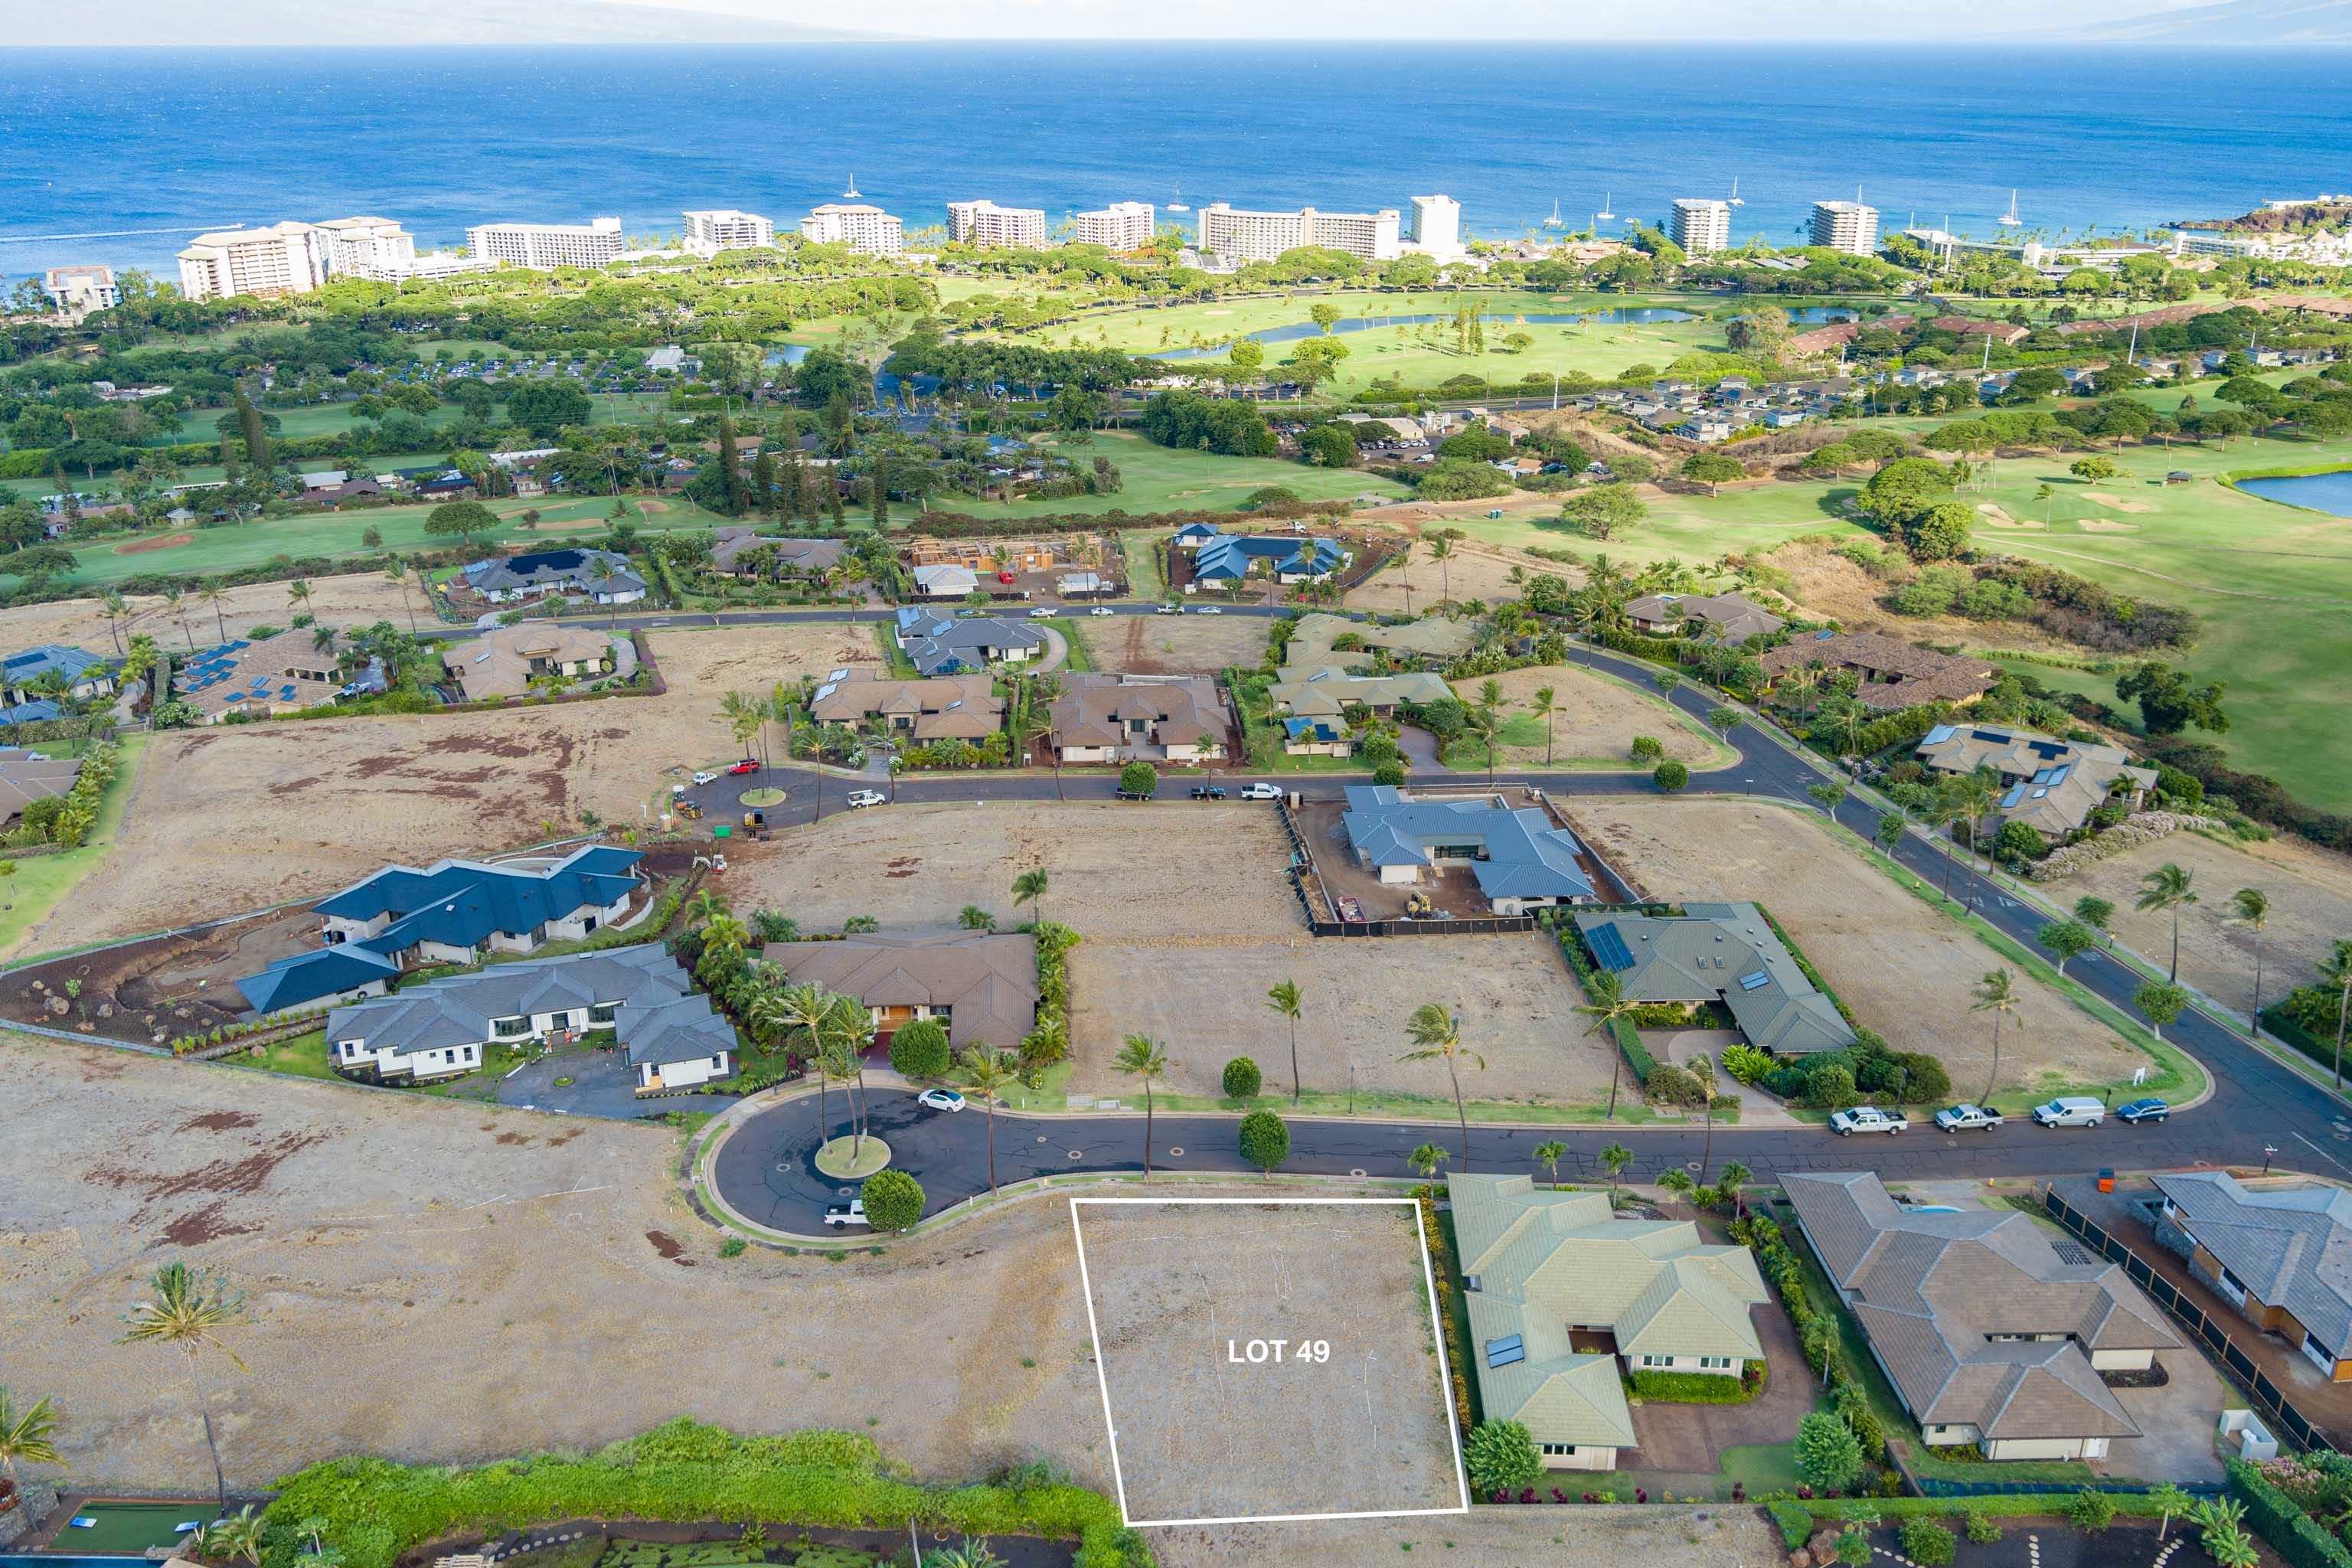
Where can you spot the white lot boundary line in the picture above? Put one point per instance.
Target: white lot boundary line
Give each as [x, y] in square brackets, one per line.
[1436, 1329]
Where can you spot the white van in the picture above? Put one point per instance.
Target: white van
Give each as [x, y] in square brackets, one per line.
[2073, 1111]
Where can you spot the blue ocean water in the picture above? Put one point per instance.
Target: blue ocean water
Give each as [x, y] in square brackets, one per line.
[110, 140]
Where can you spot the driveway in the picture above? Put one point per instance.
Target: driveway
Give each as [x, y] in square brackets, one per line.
[601, 1085]
[2176, 1423]
[1420, 748]
[1682, 1444]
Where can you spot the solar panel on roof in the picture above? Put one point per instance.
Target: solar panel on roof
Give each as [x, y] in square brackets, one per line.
[1608, 947]
[1937, 736]
[285, 694]
[1756, 981]
[1510, 1348]
[2012, 797]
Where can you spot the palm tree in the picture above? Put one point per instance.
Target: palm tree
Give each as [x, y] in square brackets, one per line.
[298, 595]
[2335, 970]
[396, 570]
[1614, 1158]
[1995, 995]
[1284, 999]
[1549, 1154]
[114, 608]
[602, 570]
[1441, 550]
[1487, 725]
[1543, 707]
[1677, 1180]
[1735, 1176]
[26, 1435]
[237, 1535]
[848, 1031]
[1140, 1056]
[174, 599]
[188, 1312]
[1609, 1005]
[1939, 812]
[1437, 1034]
[706, 905]
[1702, 1067]
[2167, 888]
[1424, 1160]
[2253, 908]
[1977, 795]
[805, 1008]
[1029, 887]
[989, 1073]
[970, 1554]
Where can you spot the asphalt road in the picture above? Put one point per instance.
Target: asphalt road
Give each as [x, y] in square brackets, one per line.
[765, 1169]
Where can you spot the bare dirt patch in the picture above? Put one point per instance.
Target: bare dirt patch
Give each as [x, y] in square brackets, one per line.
[1654, 1537]
[2311, 907]
[1175, 645]
[351, 599]
[1598, 719]
[1178, 1287]
[472, 1263]
[142, 546]
[1115, 871]
[1906, 971]
[704, 663]
[1831, 587]
[1206, 998]
[1472, 571]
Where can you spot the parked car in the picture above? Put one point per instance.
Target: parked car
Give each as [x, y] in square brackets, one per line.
[1045, 612]
[1208, 792]
[748, 765]
[851, 1213]
[1167, 610]
[1135, 794]
[2151, 1110]
[862, 797]
[2070, 1110]
[1866, 1119]
[1102, 610]
[704, 777]
[1210, 610]
[1261, 792]
[941, 1100]
[1965, 1118]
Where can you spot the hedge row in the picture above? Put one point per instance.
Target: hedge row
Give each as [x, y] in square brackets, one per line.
[1637, 1055]
[2273, 1515]
[1698, 1387]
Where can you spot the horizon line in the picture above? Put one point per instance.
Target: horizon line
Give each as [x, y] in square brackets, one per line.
[1777, 41]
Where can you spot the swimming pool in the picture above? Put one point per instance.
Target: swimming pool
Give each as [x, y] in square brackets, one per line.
[66, 1559]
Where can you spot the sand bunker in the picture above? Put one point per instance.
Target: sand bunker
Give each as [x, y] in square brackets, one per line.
[2118, 503]
[1999, 517]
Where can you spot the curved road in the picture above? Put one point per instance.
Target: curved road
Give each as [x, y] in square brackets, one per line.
[764, 1169]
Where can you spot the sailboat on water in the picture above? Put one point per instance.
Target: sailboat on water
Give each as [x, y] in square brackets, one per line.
[1734, 200]
[1176, 201]
[1555, 221]
[851, 194]
[1604, 214]
[2009, 218]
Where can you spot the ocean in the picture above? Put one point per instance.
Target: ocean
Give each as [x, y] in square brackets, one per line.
[138, 148]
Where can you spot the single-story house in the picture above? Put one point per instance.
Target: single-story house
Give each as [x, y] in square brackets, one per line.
[2050, 784]
[1520, 860]
[1726, 617]
[1223, 560]
[1316, 738]
[2281, 1254]
[505, 660]
[1990, 1335]
[601, 575]
[85, 675]
[746, 552]
[1561, 1294]
[279, 674]
[945, 581]
[1121, 718]
[982, 985]
[1330, 692]
[950, 645]
[452, 912]
[1890, 673]
[640, 995]
[1720, 952]
[943, 708]
[27, 776]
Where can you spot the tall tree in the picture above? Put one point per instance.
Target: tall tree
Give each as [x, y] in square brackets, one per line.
[730, 467]
[1284, 998]
[989, 1073]
[2167, 888]
[28, 1435]
[1549, 1154]
[188, 1311]
[1436, 1035]
[252, 428]
[1997, 995]
[1615, 1157]
[2335, 970]
[1441, 550]
[1029, 887]
[1140, 1056]
[2251, 908]
[1545, 704]
[1608, 1004]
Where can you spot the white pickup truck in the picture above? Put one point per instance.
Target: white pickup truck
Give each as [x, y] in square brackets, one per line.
[842, 1214]
[1866, 1119]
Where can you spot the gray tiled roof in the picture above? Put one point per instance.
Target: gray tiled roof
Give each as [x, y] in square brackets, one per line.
[660, 1017]
[989, 982]
[2292, 1247]
[1719, 951]
[1934, 1290]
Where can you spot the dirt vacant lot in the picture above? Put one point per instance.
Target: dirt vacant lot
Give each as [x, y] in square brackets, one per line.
[2311, 908]
[1115, 872]
[1174, 645]
[237, 817]
[1906, 971]
[353, 599]
[495, 1263]
[1180, 1292]
[1472, 571]
[1204, 997]
[1653, 1537]
[1597, 720]
[705, 664]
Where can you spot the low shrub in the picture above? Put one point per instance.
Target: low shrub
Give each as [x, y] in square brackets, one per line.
[1689, 1387]
[1795, 1520]
[1927, 1544]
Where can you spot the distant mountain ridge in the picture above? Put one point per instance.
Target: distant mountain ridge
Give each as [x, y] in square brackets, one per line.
[2246, 22]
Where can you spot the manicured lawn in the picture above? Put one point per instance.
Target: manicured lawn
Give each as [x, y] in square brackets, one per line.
[339, 537]
[302, 1055]
[44, 881]
[1163, 478]
[1763, 1467]
[1143, 580]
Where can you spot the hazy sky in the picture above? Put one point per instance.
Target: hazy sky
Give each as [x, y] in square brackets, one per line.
[248, 22]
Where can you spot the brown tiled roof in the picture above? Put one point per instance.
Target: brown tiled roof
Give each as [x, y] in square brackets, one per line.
[1933, 1291]
[1919, 675]
[1968, 327]
[944, 707]
[26, 778]
[989, 981]
[1094, 709]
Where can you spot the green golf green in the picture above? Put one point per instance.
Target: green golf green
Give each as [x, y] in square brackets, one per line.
[131, 1526]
